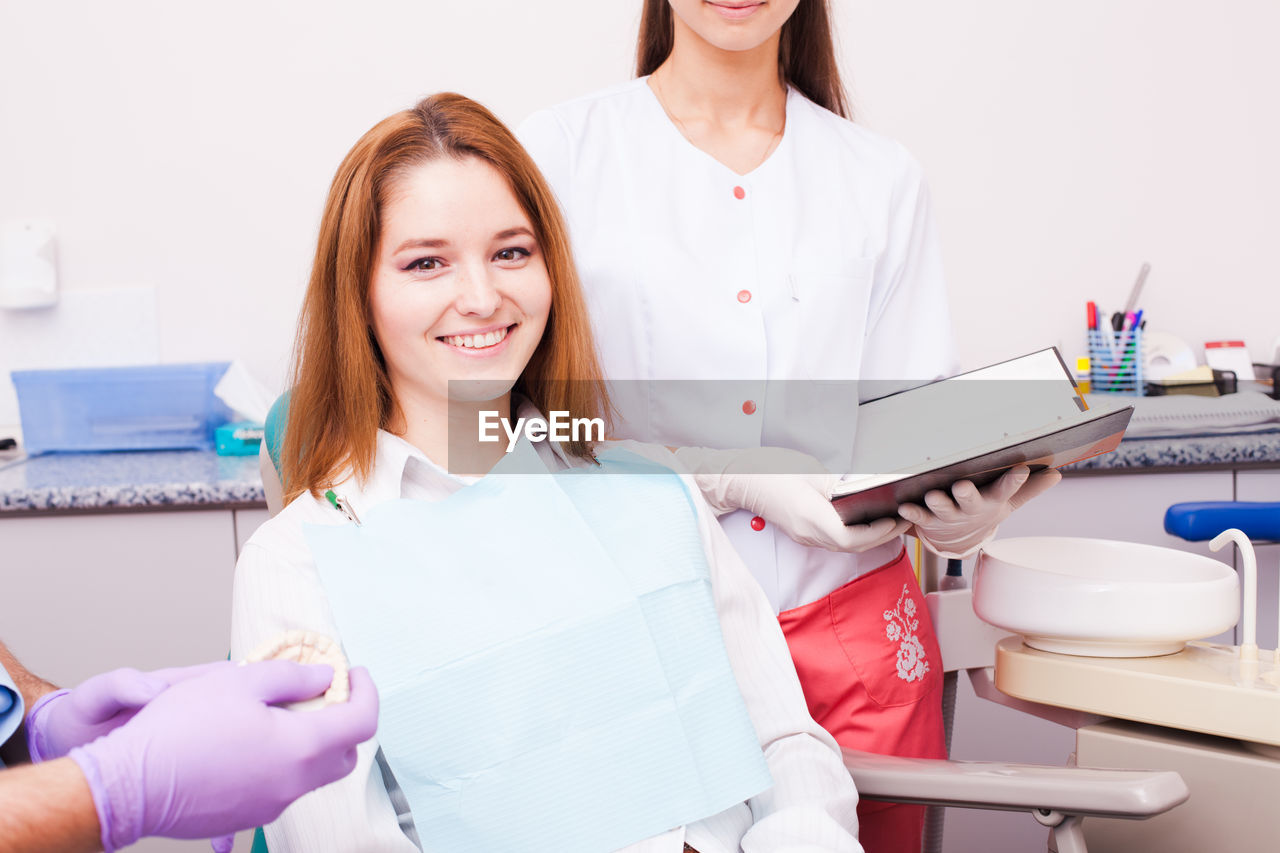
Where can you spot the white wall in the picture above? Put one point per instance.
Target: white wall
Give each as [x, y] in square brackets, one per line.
[1069, 142]
[189, 150]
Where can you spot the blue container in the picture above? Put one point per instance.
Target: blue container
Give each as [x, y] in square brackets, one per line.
[243, 438]
[157, 407]
[1115, 361]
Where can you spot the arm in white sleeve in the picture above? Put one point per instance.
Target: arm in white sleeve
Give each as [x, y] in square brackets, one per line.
[276, 590]
[813, 803]
[909, 336]
[550, 145]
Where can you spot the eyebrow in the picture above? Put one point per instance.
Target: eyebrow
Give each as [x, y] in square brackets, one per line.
[440, 244]
[513, 232]
[422, 244]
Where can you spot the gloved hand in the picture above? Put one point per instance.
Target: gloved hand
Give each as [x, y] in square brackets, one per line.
[957, 528]
[210, 755]
[787, 488]
[69, 718]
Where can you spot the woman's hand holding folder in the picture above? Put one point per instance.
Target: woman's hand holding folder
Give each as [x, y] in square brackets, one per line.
[784, 487]
[958, 524]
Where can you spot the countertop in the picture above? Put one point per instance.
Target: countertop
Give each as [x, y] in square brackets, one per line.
[1190, 452]
[60, 482]
[173, 479]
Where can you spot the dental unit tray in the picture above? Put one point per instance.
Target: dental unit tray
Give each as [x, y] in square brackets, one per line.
[1228, 691]
[1204, 688]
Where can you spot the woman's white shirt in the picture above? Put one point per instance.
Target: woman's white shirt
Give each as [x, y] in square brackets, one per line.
[821, 265]
[811, 807]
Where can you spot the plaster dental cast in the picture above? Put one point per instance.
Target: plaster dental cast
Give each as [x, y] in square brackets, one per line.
[732, 226]
[570, 655]
[192, 752]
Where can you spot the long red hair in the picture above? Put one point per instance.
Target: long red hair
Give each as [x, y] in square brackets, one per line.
[341, 392]
[806, 54]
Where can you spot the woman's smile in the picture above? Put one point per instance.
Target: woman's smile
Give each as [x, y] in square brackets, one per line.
[480, 342]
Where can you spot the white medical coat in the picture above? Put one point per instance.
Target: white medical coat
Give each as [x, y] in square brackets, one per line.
[821, 265]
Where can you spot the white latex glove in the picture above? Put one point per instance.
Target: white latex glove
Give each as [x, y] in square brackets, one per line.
[955, 529]
[787, 488]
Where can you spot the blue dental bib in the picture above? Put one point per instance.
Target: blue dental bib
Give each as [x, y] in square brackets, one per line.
[548, 656]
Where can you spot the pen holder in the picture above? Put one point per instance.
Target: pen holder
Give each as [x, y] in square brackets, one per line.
[1115, 361]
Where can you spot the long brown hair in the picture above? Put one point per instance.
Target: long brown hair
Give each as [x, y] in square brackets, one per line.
[341, 390]
[806, 53]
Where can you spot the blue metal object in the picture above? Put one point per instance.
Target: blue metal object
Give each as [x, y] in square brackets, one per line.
[1203, 520]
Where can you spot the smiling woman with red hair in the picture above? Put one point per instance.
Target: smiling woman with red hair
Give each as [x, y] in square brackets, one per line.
[570, 655]
[342, 380]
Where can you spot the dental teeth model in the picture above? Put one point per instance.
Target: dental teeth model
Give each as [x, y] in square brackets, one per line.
[309, 647]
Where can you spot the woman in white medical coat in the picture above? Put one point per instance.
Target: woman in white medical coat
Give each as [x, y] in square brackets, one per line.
[730, 223]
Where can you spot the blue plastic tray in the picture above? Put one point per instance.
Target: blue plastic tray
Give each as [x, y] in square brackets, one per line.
[157, 407]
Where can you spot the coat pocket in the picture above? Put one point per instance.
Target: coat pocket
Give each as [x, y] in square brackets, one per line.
[881, 622]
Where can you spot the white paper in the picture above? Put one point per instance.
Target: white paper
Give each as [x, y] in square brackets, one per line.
[1233, 358]
[249, 398]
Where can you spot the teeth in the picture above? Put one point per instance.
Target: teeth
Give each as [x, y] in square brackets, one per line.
[477, 341]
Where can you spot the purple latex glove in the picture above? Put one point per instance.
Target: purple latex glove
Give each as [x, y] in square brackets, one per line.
[211, 755]
[70, 718]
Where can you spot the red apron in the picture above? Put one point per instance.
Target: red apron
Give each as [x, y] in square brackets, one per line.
[872, 675]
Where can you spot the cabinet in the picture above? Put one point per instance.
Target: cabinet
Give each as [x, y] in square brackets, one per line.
[87, 593]
[82, 594]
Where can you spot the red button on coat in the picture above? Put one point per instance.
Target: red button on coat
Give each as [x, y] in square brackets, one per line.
[749, 407]
[757, 523]
[739, 192]
[744, 296]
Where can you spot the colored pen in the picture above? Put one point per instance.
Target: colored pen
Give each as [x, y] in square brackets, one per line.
[1107, 336]
[1091, 311]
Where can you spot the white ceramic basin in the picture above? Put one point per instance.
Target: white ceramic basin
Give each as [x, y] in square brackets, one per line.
[1102, 598]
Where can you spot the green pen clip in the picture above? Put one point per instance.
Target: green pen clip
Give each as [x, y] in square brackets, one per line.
[341, 505]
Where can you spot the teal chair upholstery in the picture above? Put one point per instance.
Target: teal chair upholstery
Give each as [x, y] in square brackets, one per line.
[273, 429]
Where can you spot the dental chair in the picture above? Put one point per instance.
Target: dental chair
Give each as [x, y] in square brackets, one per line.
[1199, 521]
[1057, 797]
